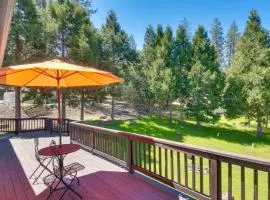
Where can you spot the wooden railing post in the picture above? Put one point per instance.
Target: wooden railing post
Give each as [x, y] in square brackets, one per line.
[67, 126]
[215, 179]
[51, 125]
[46, 124]
[130, 154]
[93, 141]
[17, 126]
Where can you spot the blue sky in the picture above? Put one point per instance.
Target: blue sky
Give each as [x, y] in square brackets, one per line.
[135, 15]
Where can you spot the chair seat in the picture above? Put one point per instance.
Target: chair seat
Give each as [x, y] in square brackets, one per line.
[70, 169]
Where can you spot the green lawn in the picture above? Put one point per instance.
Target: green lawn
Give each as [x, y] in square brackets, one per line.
[226, 135]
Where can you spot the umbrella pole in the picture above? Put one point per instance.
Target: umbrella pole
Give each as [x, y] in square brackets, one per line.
[59, 112]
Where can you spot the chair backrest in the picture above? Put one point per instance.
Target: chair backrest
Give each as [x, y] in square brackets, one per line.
[55, 158]
[36, 142]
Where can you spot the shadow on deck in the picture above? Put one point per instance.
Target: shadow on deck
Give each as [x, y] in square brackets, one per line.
[100, 179]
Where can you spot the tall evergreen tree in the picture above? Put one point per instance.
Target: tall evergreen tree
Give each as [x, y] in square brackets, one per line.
[83, 48]
[26, 37]
[149, 37]
[181, 63]
[117, 51]
[159, 35]
[158, 73]
[218, 40]
[26, 40]
[248, 71]
[231, 41]
[205, 78]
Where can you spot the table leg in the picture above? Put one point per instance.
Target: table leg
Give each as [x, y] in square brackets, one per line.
[61, 179]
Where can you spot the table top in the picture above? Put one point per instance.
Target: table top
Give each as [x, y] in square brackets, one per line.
[59, 150]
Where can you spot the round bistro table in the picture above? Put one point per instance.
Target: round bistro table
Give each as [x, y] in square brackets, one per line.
[60, 151]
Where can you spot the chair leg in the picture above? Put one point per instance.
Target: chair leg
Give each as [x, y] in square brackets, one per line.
[53, 189]
[78, 180]
[42, 170]
[67, 189]
[34, 171]
[40, 164]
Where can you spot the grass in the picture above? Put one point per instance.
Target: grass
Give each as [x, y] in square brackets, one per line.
[226, 135]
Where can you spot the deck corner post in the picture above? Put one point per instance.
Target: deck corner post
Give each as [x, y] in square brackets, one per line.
[130, 154]
[16, 126]
[215, 179]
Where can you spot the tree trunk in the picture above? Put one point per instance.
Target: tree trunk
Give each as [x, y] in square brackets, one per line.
[266, 121]
[181, 110]
[62, 44]
[198, 124]
[113, 105]
[149, 107]
[259, 125]
[17, 102]
[267, 115]
[160, 111]
[82, 106]
[170, 111]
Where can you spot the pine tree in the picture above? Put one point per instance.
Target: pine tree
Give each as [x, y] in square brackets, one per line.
[249, 72]
[26, 37]
[218, 40]
[149, 37]
[231, 41]
[83, 48]
[159, 35]
[25, 42]
[205, 78]
[181, 65]
[117, 50]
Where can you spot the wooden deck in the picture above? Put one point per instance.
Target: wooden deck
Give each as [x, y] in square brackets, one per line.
[100, 179]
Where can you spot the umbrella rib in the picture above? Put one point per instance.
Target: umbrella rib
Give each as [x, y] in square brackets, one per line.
[45, 73]
[13, 72]
[63, 74]
[110, 76]
[90, 79]
[68, 75]
[35, 77]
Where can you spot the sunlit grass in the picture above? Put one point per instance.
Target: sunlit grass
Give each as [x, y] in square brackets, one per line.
[221, 136]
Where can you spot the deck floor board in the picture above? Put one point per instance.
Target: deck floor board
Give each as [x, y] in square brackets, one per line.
[100, 180]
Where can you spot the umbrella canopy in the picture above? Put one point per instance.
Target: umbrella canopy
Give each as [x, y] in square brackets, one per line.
[56, 73]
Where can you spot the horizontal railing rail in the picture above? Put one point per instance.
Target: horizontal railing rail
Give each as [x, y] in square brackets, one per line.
[54, 126]
[33, 124]
[198, 172]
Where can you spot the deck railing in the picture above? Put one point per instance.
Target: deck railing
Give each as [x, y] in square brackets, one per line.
[32, 124]
[201, 173]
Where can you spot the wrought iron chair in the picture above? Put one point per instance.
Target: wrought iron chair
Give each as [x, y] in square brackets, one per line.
[41, 160]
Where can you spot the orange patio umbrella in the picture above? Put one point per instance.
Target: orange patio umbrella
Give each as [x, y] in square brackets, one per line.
[56, 73]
